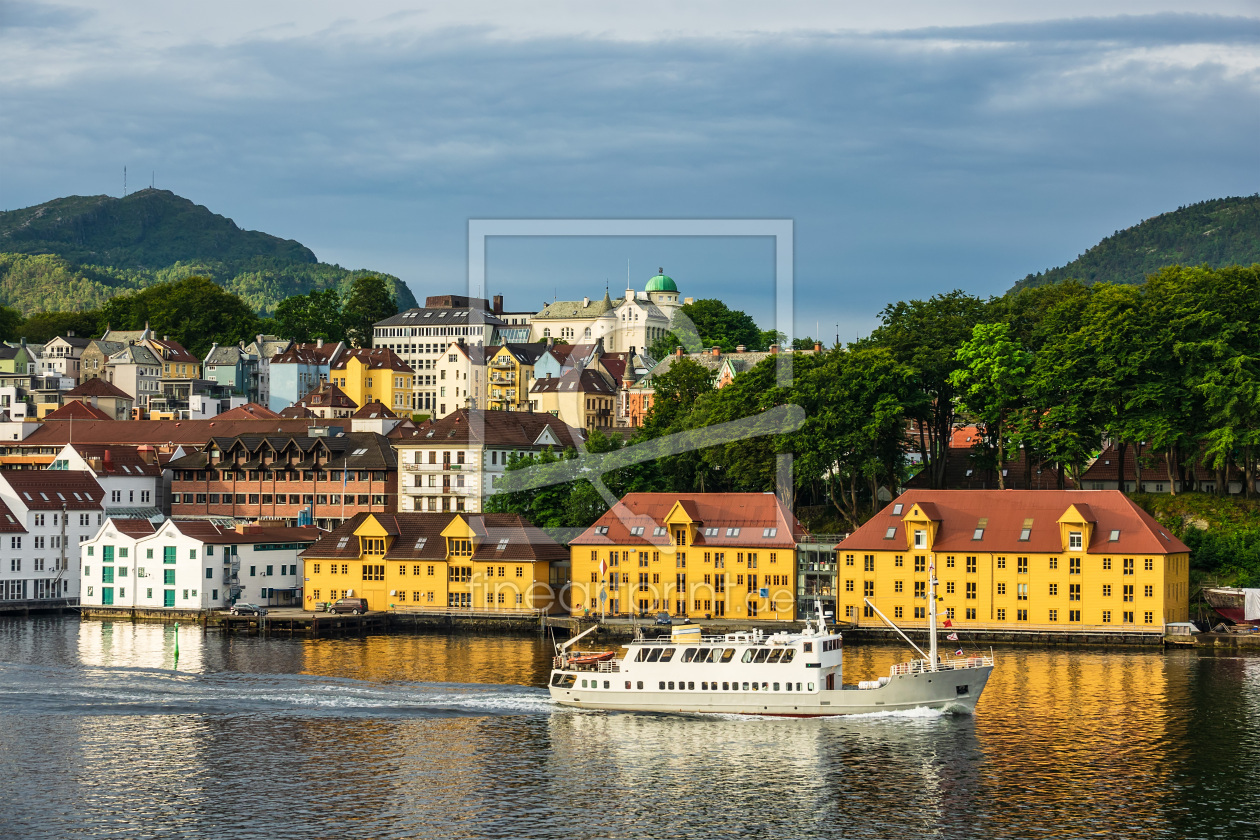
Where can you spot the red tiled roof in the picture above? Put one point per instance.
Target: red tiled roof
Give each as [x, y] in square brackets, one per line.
[327, 395]
[491, 428]
[248, 411]
[309, 354]
[76, 410]
[374, 411]
[375, 358]
[54, 489]
[418, 536]
[751, 513]
[118, 460]
[9, 523]
[959, 512]
[297, 412]
[1154, 467]
[173, 351]
[98, 388]
[209, 532]
[132, 527]
[159, 432]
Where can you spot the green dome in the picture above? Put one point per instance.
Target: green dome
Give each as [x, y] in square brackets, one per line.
[661, 283]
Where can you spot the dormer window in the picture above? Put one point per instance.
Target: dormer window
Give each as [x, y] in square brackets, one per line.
[920, 539]
[1074, 540]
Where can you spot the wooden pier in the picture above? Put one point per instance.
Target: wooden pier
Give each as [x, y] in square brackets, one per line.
[301, 623]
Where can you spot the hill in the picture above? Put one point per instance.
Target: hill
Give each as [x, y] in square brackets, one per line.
[77, 252]
[1220, 232]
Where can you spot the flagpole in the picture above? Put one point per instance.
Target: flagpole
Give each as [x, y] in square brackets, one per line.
[932, 608]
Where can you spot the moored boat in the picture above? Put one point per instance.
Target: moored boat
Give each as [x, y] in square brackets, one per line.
[1231, 603]
[796, 674]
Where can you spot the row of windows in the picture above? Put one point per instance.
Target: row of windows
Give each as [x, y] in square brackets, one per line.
[1127, 616]
[718, 558]
[279, 475]
[568, 681]
[278, 499]
[1021, 563]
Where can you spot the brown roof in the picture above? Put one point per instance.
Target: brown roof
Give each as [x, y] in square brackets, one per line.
[8, 522]
[964, 470]
[98, 388]
[297, 412]
[118, 460]
[308, 354]
[173, 351]
[132, 527]
[159, 432]
[76, 410]
[1007, 511]
[1106, 467]
[248, 411]
[54, 489]
[327, 395]
[209, 532]
[374, 410]
[751, 513]
[491, 428]
[418, 536]
[587, 381]
[375, 358]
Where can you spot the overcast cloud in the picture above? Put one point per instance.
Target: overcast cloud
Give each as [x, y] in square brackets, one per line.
[917, 148]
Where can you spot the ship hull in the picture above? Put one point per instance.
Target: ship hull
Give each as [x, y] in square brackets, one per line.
[954, 691]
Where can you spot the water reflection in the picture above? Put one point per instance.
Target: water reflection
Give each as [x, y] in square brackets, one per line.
[408, 736]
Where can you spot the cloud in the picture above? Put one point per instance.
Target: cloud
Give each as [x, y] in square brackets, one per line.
[913, 160]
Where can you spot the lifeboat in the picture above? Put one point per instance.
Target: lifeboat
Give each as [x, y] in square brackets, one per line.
[592, 658]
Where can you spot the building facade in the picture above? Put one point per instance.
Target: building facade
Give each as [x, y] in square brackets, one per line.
[1068, 560]
[298, 370]
[46, 517]
[697, 555]
[192, 566]
[434, 561]
[373, 374]
[453, 464]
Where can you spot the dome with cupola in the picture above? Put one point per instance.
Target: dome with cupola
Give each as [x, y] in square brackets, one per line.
[661, 283]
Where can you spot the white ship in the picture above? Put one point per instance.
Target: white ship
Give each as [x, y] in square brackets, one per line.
[789, 674]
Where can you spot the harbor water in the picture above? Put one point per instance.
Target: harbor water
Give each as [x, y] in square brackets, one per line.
[104, 734]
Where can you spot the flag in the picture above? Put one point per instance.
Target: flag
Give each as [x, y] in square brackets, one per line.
[953, 637]
[958, 652]
[947, 623]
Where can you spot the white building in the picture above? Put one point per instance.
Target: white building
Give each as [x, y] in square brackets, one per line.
[134, 483]
[192, 565]
[454, 463]
[62, 356]
[461, 378]
[44, 517]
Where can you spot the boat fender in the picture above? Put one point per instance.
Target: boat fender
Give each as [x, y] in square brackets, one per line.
[883, 681]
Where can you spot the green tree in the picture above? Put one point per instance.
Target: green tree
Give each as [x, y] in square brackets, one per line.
[10, 323]
[925, 335]
[675, 393]
[719, 325]
[369, 301]
[44, 326]
[306, 318]
[991, 384]
[194, 311]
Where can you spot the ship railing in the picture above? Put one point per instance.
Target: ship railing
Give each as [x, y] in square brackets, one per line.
[755, 637]
[923, 666]
[610, 666]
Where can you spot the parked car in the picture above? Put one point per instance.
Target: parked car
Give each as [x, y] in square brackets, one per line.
[248, 609]
[664, 619]
[354, 606]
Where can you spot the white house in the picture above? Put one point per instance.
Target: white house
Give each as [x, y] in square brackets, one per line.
[131, 477]
[45, 517]
[192, 565]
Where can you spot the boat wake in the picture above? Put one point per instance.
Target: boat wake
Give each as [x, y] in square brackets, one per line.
[145, 691]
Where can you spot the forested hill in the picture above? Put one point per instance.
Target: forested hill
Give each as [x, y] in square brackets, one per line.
[1220, 232]
[77, 252]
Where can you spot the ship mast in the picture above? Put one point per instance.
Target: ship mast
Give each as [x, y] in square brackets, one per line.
[932, 608]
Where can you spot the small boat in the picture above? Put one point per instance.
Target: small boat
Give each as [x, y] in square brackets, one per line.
[592, 657]
[1231, 602]
[791, 674]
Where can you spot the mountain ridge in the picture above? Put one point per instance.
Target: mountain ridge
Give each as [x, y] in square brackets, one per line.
[76, 252]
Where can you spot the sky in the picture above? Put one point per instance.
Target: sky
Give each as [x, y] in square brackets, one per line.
[917, 147]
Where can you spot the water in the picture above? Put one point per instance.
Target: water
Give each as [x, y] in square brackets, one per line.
[424, 736]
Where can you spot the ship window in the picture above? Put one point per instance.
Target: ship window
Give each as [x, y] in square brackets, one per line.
[642, 655]
[776, 686]
[689, 654]
[639, 684]
[727, 686]
[662, 685]
[748, 655]
[605, 683]
[667, 654]
[583, 683]
[703, 655]
[690, 686]
[654, 654]
[556, 679]
[755, 687]
[809, 646]
[671, 685]
[728, 655]
[704, 686]
[774, 656]
[788, 655]
[810, 686]
[569, 680]
[760, 656]
[745, 686]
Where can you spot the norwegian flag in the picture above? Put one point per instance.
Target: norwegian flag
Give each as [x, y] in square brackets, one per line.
[958, 652]
[953, 637]
[947, 623]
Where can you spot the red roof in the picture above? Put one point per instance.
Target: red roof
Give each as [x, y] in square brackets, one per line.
[209, 532]
[418, 536]
[249, 411]
[117, 460]
[375, 358]
[55, 489]
[374, 410]
[132, 527]
[739, 519]
[75, 410]
[158, 432]
[1106, 467]
[8, 522]
[98, 387]
[306, 354]
[173, 351]
[1007, 511]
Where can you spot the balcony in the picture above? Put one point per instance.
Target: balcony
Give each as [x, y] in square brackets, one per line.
[502, 364]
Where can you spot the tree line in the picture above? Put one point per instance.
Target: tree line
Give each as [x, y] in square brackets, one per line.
[197, 313]
[1169, 369]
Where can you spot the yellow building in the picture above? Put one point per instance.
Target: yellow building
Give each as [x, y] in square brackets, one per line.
[719, 555]
[510, 376]
[1016, 560]
[177, 363]
[368, 374]
[477, 562]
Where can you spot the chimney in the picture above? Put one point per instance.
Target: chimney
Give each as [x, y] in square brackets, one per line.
[69, 333]
[817, 346]
[774, 349]
[740, 348]
[551, 342]
[498, 303]
[108, 462]
[678, 351]
[586, 302]
[717, 351]
[319, 343]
